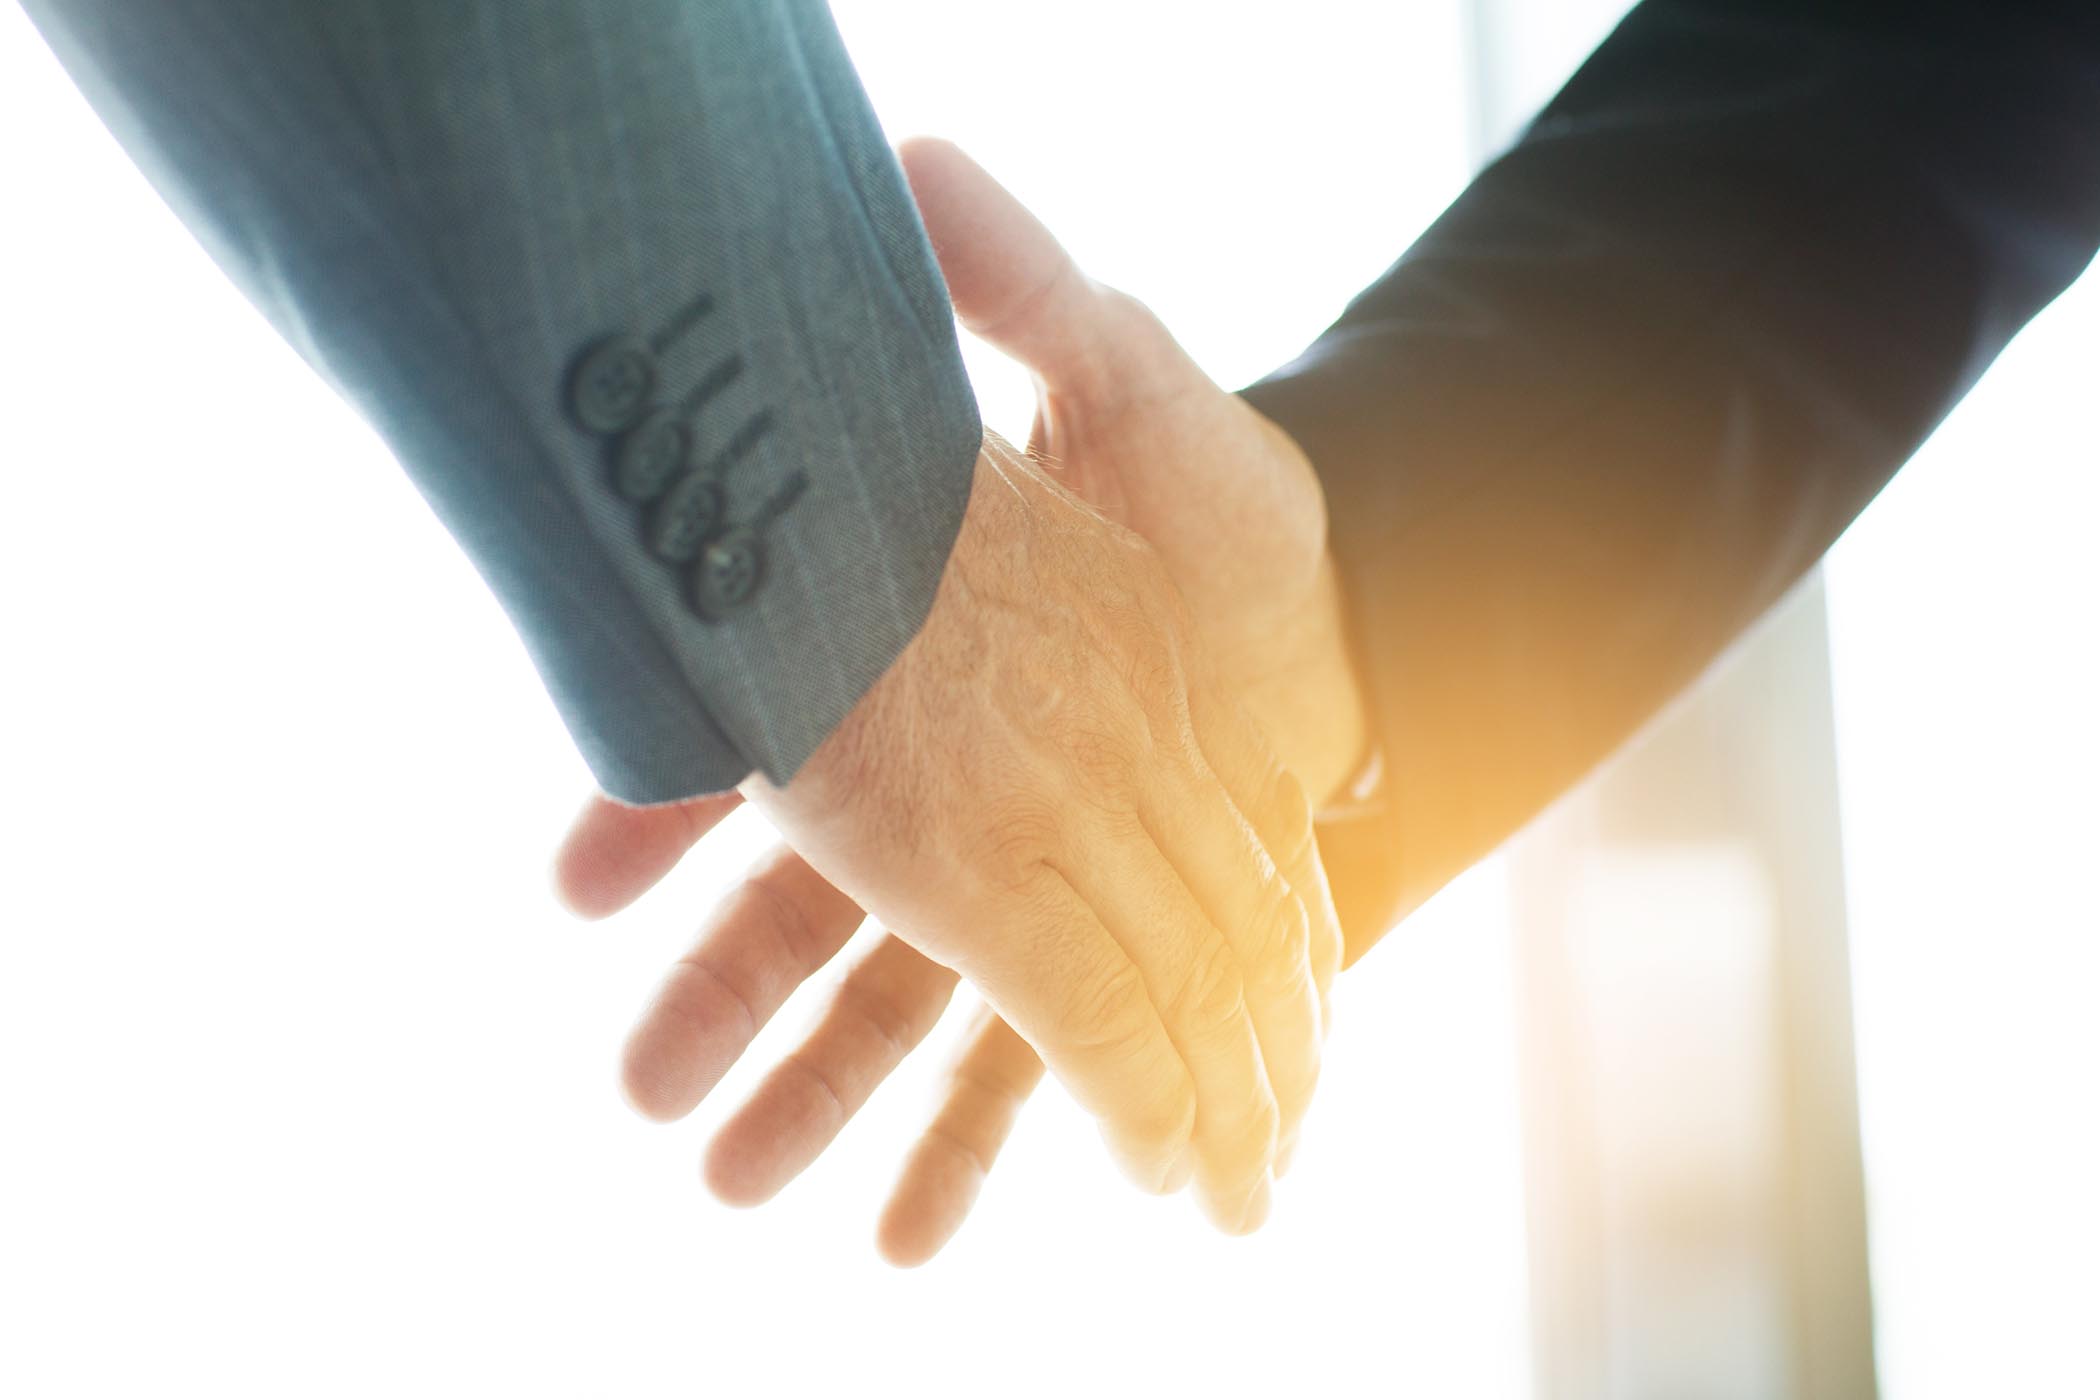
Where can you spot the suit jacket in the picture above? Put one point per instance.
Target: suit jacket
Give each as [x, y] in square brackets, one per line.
[637, 294]
[1646, 369]
[608, 276]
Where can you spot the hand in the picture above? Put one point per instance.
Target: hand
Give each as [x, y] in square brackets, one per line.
[1133, 424]
[1128, 421]
[776, 929]
[1048, 794]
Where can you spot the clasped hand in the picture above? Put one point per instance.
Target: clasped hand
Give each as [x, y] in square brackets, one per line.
[1054, 792]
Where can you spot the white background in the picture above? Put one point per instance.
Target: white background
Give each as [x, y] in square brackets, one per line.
[306, 1085]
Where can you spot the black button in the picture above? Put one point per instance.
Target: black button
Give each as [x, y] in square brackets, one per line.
[649, 455]
[727, 575]
[684, 519]
[611, 383]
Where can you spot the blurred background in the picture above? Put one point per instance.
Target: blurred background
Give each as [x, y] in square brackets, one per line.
[306, 1084]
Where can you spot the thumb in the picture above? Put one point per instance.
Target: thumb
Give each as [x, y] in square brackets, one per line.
[1012, 282]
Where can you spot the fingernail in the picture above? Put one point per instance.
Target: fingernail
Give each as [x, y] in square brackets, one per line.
[1178, 1172]
[1284, 1152]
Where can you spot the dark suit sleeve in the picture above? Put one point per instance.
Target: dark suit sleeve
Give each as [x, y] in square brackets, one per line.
[637, 294]
[1644, 371]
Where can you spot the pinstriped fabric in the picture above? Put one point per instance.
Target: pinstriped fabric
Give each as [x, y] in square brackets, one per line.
[443, 205]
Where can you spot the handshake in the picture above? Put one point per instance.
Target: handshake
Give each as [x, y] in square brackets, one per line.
[1086, 786]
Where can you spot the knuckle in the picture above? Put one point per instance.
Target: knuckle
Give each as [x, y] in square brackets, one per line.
[1153, 676]
[1212, 999]
[875, 1009]
[1281, 936]
[1112, 1022]
[1110, 1014]
[1018, 833]
[1239, 1153]
[826, 1089]
[1287, 814]
[960, 1141]
[1098, 748]
[970, 1144]
[1164, 1119]
[984, 1085]
[697, 991]
[779, 907]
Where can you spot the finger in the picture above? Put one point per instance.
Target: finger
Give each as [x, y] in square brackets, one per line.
[614, 853]
[1239, 890]
[1070, 990]
[1012, 282]
[992, 1078]
[776, 928]
[1195, 979]
[1275, 805]
[881, 1011]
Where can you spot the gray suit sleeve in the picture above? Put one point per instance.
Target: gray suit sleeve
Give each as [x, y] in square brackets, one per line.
[638, 296]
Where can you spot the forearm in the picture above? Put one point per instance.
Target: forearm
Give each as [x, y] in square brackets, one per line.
[1651, 364]
[445, 207]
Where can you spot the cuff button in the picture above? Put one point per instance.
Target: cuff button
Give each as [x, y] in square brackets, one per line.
[684, 518]
[649, 455]
[727, 574]
[610, 385]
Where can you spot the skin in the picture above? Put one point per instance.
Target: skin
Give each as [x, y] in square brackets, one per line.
[1226, 506]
